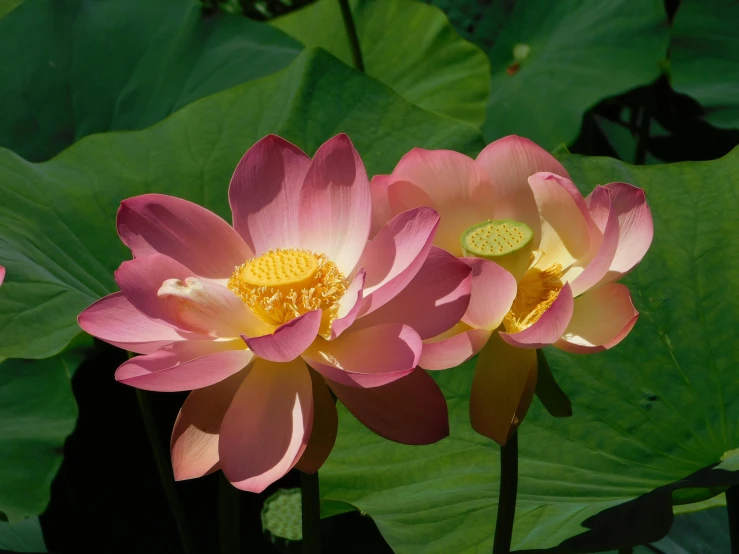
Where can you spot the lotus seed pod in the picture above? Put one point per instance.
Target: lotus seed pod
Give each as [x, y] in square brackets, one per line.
[282, 519]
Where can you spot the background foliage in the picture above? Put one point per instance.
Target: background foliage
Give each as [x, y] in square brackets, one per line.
[173, 92]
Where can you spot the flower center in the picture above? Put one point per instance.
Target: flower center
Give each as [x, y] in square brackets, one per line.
[492, 239]
[505, 242]
[282, 284]
[537, 291]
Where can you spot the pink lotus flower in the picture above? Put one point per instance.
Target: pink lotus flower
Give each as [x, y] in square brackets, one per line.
[235, 313]
[545, 261]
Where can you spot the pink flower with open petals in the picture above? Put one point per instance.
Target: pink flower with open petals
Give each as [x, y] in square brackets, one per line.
[544, 260]
[235, 313]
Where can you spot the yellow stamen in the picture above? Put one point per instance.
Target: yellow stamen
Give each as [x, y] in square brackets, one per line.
[282, 284]
[537, 291]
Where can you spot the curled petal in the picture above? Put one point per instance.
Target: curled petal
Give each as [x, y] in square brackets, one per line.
[140, 280]
[268, 424]
[433, 302]
[600, 320]
[335, 204]
[325, 426]
[2, 274]
[289, 340]
[115, 320]
[396, 254]
[195, 237]
[493, 291]
[208, 307]
[185, 365]
[635, 225]
[194, 442]
[411, 410]
[549, 327]
[369, 357]
[453, 349]
[565, 220]
[264, 194]
[502, 389]
[508, 163]
[604, 242]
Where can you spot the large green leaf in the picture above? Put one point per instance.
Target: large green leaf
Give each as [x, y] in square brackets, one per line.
[7, 6]
[576, 53]
[409, 46]
[24, 536]
[69, 68]
[650, 417]
[57, 219]
[704, 57]
[37, 413]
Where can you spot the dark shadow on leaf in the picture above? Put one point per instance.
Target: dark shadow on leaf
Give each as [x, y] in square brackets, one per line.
[645, 519]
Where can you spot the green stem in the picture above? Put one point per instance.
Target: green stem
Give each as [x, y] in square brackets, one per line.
[732, 507]
[311, 512]
[228, 517]
[165, 471]
[507, 496]
[351, 33]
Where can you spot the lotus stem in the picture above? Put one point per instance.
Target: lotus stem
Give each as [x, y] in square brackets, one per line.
[351, 33]
[165, 471]
[228, 517]
[506, 496]
[311, 512]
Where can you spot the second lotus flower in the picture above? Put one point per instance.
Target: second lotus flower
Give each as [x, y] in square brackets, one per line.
[234, 314]
[545, 261]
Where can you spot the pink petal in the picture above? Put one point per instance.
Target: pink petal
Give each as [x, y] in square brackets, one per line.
[549, 327]
[349, 305]
[604, 242]
[209, 307]
[335, 204]
[396, 254]
[195, 237]
[268, 424]
[325, 426]
[601, 319]
[508, 163]
[565, 220]
[443, 180]
[289, 340]
[433, 302]
[2, 274]
[453, 350]
[411, 410]
[381, 212]
[369, 357]
[265, 192]
[185, 365]
[502, 388]
[493, 291]
[165, 291]
[115, 320]
[636, 228]
[140, 280]
[194, 443]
